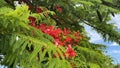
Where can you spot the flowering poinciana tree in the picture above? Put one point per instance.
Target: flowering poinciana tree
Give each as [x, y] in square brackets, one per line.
[51, 34]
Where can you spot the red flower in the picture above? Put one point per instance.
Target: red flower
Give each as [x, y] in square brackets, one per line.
[49, 30]
[77, 33]
[66, 31]
[42, 27]
[70, 51]
[32, 18]
[58, 8]
[59, 35]
[56, 33]
[76, 39]
[39, 10]
[32, 24]
[58, 42]
[68, 39]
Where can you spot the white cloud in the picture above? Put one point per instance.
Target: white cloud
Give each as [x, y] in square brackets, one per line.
[115, 51]
[116, 19]
[114, 44]
[94, 36]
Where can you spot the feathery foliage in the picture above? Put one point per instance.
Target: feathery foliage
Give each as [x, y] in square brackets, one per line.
[25, 46]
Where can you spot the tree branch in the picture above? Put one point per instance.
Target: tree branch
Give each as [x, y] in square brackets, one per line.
[110, 4]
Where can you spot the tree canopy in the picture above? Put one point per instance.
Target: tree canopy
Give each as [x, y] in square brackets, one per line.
[51, 33]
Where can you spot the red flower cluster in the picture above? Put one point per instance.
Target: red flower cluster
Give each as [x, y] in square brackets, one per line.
[32, 20]
[65, 37]
[58, 8]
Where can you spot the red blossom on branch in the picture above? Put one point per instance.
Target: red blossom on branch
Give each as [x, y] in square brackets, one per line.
[58, 8]
[39, 10]
[32, 20]
[70, 51]
[61, 37]
[68, 40]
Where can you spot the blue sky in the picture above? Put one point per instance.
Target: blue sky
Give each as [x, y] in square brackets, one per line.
[113, 48]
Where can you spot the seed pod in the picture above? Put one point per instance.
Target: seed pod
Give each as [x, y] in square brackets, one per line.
[113, 14]
[99, 15]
